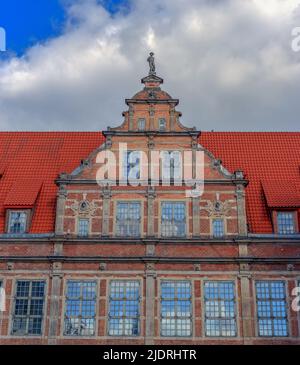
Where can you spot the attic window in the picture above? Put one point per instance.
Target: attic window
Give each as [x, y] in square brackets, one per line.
[162, 124]
[17, 222]
[286, 222]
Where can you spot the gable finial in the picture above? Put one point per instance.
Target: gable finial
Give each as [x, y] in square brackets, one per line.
[151, 62]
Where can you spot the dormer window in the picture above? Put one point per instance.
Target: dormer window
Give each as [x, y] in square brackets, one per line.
[141, 124]
[286, 222]
[17, 222]
[162, 124]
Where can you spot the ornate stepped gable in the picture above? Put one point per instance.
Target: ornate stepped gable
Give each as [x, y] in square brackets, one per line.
[152, 123]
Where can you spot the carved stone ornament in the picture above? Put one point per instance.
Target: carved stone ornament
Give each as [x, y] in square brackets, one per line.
[217, 208]
[150, 266]
[102, 266]
[108, 142]
[84, 208]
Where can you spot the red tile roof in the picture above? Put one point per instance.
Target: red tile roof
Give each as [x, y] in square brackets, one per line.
[42, 156]
[23, 193]
[272, 156]
[281, 194]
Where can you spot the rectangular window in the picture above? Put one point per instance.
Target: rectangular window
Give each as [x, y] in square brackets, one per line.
[128, 219]
[173, 219]
[162, 124]
[220, 320]
[124, 308]
[80, 312]
[286, 222]
[131, 165]
[17, 222]
[141, 124]
[218, 227]
[176, 308]
[271, 308]
[83, 227]
[28, 308]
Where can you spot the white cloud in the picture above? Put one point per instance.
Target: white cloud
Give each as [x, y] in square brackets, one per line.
[230, 63]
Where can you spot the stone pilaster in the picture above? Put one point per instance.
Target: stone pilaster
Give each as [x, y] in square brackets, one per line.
[131, 114]
[150, 277]
[196, 216]
[151, 114]
[172, 118]
[150, 202]
[246, 304]
[60, 210]
[106, 194]
[241, 210]
[55, 310]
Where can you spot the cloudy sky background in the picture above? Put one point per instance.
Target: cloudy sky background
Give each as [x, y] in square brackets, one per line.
[230, 63]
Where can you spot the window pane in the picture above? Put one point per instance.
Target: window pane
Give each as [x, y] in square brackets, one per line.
[218, 227]
[162, 124]
[141, 124]
[173, 219]
[80, 314]
[28, 308]
[220, 318]
[128, 219]
[124, 308]
[17, 222]
[176, 308]
[271, 308]
[83, 227]
[285, 223]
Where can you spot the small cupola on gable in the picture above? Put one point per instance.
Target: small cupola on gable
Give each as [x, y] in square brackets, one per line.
[151, 109]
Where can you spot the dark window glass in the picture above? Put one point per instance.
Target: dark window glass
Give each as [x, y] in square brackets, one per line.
[28, 309]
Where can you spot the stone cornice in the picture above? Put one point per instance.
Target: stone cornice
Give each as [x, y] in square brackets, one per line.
[154, 259]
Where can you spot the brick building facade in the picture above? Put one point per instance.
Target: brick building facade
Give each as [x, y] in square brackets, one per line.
[149, 263]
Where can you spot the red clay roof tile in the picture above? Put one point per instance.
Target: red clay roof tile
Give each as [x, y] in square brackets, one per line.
[272, 156]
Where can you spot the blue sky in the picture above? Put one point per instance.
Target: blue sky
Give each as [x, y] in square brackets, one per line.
[28, 22]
